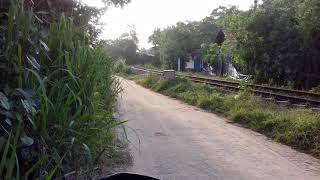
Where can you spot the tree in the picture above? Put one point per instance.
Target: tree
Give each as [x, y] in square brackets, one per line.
[308, 17]
[176, 42]
[126, 46]
[217, 56]
[277, 40]
[83, 15]
[182, 39]
[154, 39]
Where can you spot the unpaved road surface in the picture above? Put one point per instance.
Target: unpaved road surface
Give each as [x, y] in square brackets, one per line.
[172, 140]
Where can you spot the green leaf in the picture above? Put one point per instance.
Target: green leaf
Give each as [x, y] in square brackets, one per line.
[4, 155]
[12, 160]
[26, 140]
[27, 106]
[36, 166]
[71, 124]
[4, 102]
[89, 154]
[27, 93]
[8, 121]
[44, 45]
[7, 114]
[33, 62]
[53, 171]
[18, 116]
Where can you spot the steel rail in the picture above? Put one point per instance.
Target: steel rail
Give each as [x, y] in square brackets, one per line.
[294, 96]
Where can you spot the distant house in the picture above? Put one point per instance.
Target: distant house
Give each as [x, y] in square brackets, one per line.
[195, 62]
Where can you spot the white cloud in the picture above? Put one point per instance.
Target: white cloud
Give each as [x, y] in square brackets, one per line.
[147, 15]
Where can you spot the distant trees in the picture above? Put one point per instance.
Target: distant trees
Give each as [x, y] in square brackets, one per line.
[180, 40]
[278, 41]
[126, 46]
[175, 42]
[83, 15]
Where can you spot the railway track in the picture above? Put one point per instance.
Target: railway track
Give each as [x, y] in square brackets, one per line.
[296, 97]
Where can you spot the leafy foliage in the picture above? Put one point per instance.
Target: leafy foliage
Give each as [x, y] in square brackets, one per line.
[278, 41]
[125, 47]
[121, 67]
[182, 39]
[57, 96]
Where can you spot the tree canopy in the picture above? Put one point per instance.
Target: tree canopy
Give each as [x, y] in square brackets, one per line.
[278, 41]
[180, 40]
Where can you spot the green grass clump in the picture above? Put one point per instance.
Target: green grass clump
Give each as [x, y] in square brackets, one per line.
[252, 118]
[161, 85]
[214, 103]
[121, 68]
[189, 97]
[299, 128]
[149, 81]
[57, 96]
[177, 86]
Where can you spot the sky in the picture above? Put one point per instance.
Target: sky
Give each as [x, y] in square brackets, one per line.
[147, 15]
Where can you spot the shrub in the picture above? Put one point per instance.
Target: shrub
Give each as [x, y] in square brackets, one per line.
[252, 118]
[149, 81]
[213, 102]
[189, 97]
[299, 128]
[160, 85]
[120, 67]
[203, 88]
[178, 86]
[57, 96]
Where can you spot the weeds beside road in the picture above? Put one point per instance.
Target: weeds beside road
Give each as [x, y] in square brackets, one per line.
[57, 97]
[296, 127]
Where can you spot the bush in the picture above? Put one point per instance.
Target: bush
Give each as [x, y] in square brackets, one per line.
[203, 88]
[149, 81]
[57, 96]
[120, 67]
[214, 103]
[189, 97]
[160, 85]
[299, 128]
[251, 118]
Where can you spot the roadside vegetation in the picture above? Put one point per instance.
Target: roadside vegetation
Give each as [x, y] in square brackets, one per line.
[121, 68]
[296, 127]
[57, 94]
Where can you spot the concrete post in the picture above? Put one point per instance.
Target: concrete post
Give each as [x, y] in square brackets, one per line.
[169, 74]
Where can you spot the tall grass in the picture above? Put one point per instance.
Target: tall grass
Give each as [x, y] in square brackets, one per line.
[57, 97]
[121, 68]
[297, 127]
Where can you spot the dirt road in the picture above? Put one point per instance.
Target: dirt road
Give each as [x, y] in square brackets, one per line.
[172, 140]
